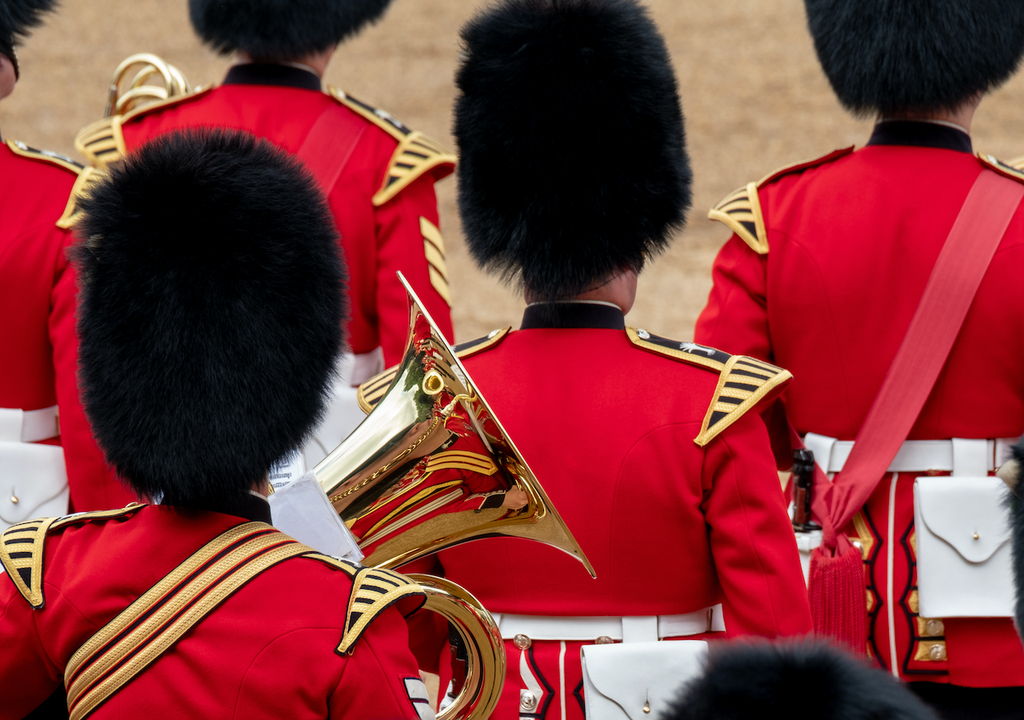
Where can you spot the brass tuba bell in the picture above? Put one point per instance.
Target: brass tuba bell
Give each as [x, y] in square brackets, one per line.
[139, 90]
[431, 467]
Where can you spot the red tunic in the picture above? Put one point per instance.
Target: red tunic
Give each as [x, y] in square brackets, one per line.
[851, 241]
[670, 527]
[267, 652]
[282, 104]
[37, 318]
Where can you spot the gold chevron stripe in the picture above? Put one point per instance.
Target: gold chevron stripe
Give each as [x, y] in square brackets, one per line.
[741, 212]
[21, 553]
[415, 155]
[101, 142]
[373, 591]
[721, 414]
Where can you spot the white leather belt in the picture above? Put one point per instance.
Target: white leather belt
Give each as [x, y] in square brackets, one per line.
[643, 628]
[967, 457]
[28, 425]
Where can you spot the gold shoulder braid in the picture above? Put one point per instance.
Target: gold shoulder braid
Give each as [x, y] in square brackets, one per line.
[102, 142]
[415, 155]
[86, 177]
[139, 635]
[1013, 169]
[371, 391]
[743, 382]
[740, 211]
[22, 548]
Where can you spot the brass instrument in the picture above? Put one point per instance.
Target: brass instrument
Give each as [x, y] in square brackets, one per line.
[139, 90]
[429, 468]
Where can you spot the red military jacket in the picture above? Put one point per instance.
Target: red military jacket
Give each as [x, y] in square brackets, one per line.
[37, 319]
[268, 651]
[825, 269]
[383, 201]
[646, 448]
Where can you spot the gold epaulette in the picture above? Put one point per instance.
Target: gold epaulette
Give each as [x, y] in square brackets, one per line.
[373, 591]
[102, 142]
[85, 179]
[1016, 163]
[415, 155]
[1012, 169]
[743, 382]
[22, 548]
[371, 391]
[740, 211]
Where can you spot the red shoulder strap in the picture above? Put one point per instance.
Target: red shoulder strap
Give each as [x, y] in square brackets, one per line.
[330, 143]
[965, 256]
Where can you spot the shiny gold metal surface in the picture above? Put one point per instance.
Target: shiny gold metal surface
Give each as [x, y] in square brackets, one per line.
[485, 657]
[431, 467]
[139, 90]
[415, 478]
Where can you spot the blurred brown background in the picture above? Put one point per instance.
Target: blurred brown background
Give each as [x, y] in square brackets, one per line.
[752, 91]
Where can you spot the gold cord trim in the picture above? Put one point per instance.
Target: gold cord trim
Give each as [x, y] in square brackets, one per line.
[173, 606]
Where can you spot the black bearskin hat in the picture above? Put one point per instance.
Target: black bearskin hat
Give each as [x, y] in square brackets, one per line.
[16, 18]
[759, 679]
[573, 160]
[892, 56]
[211, 308]
[281, 29]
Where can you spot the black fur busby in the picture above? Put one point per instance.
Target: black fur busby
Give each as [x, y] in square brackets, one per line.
[1010, 473]
[212, 302]
[17, 17]
[894, 56]
[573, 160]
[281, 29]
[759, 679]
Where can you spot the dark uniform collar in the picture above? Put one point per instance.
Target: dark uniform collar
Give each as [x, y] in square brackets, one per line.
[280, 75]
[573, 315]
[250, 506]
[919, 133]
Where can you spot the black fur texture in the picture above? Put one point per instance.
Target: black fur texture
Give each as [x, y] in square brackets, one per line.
[573, 159]
[17, 17]
[212, 302]
[1015, 500]
[897, 56]
[766, 680]
[281, 29]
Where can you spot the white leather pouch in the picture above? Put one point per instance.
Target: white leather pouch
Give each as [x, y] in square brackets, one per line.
[963, 548]
[33, 482]
[621, 680]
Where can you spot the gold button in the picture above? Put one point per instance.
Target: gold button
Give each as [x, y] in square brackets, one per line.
[14, 500]
[522, 642]
[976, 536]
[604, 640]
[937, 653]
[935, 628]
[527, 701]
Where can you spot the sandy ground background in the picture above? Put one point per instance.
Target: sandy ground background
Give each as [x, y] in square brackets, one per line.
[752, 91]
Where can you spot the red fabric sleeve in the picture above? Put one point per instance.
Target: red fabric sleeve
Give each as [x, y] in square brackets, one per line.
[372, 685]
[400, 246]
[27, 677]
[93, 483]
[735, 318]
[751, 536]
